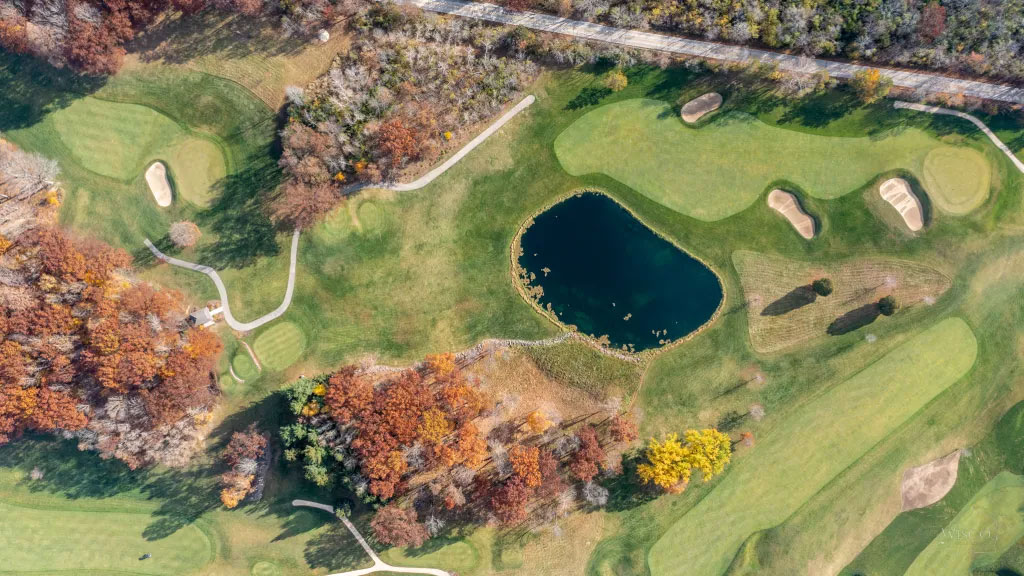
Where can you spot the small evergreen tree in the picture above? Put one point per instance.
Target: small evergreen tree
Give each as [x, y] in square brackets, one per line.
[888, 306]
[822, 286]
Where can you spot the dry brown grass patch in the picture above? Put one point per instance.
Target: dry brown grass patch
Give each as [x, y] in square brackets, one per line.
[783, 311]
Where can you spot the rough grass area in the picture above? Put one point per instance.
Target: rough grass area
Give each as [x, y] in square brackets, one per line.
[719, 169]
[280, 345]
[813, 444]
[248, 50]
[956, 178]
[578, 365]
[990, 524]
[784, 312]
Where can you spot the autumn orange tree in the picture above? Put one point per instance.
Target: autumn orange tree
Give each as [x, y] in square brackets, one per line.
[87, 349]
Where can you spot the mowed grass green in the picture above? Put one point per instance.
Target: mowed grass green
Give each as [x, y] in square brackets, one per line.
[990, 523]
[243, 365]
[956, 178]
[813, 445]
[120, 140]
[718, 170]
[280, 345]
[54, 540]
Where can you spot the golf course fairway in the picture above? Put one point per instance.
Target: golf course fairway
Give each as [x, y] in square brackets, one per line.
[815, 443]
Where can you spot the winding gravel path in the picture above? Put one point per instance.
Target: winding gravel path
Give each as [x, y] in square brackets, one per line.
[398, 187]
[927, 82]
[378, 564]
[228, 317]
[981, 126]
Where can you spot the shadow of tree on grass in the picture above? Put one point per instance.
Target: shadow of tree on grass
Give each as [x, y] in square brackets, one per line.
[854, 319]
[796, 298]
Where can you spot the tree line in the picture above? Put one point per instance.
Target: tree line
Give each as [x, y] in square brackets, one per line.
[430, 451]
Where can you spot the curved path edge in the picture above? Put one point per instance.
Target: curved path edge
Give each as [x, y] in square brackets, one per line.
[433, 174]
[378, 564]
[929, 82]
[972, 119]
[398, 187]
[222, 290]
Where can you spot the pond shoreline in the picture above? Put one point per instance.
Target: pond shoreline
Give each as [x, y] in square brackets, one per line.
[519, 274]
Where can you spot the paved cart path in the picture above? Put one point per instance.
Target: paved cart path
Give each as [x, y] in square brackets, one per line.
[378, 564]
[923, 81]
[398, 187]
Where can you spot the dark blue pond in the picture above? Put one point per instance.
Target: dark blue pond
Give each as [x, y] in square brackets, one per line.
[608, 274]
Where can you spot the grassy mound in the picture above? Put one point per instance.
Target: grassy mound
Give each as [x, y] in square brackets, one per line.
[988, 526]
[784, 312]
[713, 172]
[280, 346]
[243, 365]
[956, 178]
[817, 441]
[65, 539]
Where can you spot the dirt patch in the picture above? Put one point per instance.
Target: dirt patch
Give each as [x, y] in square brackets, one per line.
[786, 204]
[156, 178]
[511, 377]
[701, 106]
[896, 191]
[784, 312]
[926, 484]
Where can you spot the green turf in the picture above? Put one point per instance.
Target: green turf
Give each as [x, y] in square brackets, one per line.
[243, 365]
[279, 346]
[814, 445]
[719, 169]
[53, 540]
[956, 178]
[990, 523]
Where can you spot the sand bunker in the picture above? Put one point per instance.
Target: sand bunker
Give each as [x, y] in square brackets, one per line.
[156, 178]
[787, 205]
[896, 191]
[695, 109]
[926, 484]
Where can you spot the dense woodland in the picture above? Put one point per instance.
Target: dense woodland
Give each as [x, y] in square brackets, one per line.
[408, 88]
[90, 35]
[86, 349]
[431, 450]
[977, 37]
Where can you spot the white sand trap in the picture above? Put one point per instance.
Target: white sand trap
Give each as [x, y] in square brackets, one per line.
[926, 484]
[896, 191]
[787, 205]
[696, 109]
[156, 177]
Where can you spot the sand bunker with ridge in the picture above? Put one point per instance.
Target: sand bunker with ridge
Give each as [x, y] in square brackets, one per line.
[701, 106]
[926, 484]
[896, 191]
[786, 204]
[156, 178]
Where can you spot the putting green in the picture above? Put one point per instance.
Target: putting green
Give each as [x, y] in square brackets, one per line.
[266, 569]
[244, 366]
[120, 140]
[990, 523]
[956, 178]
[717, 170]
[280, 346]
[50, 541]
[810, 446]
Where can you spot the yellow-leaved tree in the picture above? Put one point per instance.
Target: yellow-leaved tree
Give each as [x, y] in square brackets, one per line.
[671, 462]
[709, 451]
[667, 464]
